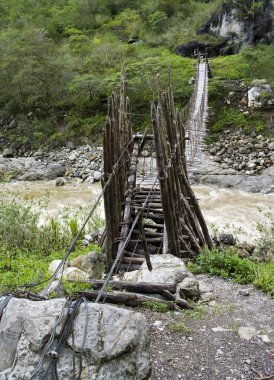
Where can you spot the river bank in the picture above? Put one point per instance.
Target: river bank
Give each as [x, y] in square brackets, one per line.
[232, 210]
[85, 164]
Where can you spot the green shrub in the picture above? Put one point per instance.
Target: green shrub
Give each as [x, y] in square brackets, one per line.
[229, 118]
[179, 327]
[230, 67]
[226, 264]
[27, 247]
[155, 306]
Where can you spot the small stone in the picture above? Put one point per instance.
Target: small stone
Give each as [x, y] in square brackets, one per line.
[219, 329]
[247, 333]
[72, 157]
[243, 150]
[204, 287]
[12, 124]
[251, 165]
[91, 263]
[75, 274]
[39, 153]
[244, 292]
[189, 288]
[271, 146]
[265, 338]
[89, 179]
[89, 238]
[71, 145]
[8, 153]
[97, 176]
[85, 242]
[59, 182]
[228, 239]
[207, 297]
[214, 150]
[242, 253]
[247, 361]
[53, 267]
[94, 166]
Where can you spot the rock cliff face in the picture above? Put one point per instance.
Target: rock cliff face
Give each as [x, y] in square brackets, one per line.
[243, 22]
[238, 23]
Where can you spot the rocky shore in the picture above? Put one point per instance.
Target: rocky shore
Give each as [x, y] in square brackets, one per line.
[234, 161]
[244, 154]
[238, 161]
[84, 163]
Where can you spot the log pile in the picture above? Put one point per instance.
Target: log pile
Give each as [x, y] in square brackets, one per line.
[137, 293]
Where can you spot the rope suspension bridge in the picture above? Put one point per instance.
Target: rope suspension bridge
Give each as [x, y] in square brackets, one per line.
[157, 212]
[149, 205]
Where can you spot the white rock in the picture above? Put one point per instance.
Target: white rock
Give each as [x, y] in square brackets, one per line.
[219, 329]
[265, 338]
[72, 157]
[97, 176]
[166, 268]
[75, 274]
[207, 297]
[247, 333]
[116, 345]
[90, 179]
[54, 265]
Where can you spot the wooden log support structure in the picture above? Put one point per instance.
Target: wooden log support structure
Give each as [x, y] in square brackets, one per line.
[117, 146]
[186, 229]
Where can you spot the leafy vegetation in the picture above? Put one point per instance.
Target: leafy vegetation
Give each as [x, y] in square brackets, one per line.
[155, 306]
[59, 60]
[227, 264]
[197, 313]
[181, 327]
[251, 63]
[27, 248]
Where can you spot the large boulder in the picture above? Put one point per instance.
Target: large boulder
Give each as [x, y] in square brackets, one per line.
[166, 268]
[260, 94]
[116, 344]
[28, 169]
[92, 263]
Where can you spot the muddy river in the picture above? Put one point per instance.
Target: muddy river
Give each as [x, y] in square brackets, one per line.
[230, 210]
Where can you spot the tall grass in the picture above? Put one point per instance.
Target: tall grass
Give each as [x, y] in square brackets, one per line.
[27, 248]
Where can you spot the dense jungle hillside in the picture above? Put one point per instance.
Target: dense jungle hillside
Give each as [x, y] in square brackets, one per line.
[60, 59]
